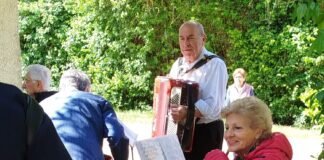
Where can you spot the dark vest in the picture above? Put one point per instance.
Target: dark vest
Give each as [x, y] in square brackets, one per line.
[43, 95]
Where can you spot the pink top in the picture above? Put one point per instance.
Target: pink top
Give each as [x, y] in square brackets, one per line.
[234, 93]
[277, 147]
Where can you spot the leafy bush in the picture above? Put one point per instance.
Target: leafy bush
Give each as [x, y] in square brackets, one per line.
[124, 45]
[273, 58]
[43, 27]
[313, 96]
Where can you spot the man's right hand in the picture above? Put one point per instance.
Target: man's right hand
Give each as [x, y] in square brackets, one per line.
[178, 112]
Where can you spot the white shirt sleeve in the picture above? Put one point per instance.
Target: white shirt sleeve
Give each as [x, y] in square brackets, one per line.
[212, 89]
[212, 78]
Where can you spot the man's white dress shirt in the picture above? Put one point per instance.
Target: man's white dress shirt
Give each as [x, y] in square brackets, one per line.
[212, 78]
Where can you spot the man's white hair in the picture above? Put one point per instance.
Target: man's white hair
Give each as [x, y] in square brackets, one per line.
[198, 25]
[40, 73]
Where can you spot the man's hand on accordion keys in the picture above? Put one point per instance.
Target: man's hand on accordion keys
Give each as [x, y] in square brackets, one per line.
[178, 112]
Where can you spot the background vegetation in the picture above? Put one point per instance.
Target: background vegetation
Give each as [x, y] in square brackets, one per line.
[124, 44]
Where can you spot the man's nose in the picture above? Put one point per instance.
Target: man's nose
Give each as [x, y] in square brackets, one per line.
[187, 42]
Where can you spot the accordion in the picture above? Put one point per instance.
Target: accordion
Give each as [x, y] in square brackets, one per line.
[174, 91]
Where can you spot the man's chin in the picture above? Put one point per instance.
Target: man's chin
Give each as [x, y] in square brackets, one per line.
[189, 58]
[187, 52]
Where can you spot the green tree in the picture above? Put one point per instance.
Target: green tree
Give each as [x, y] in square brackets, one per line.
[123, 45]
[43, 27]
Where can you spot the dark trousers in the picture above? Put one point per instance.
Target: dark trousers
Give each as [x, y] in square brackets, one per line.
[206, 138]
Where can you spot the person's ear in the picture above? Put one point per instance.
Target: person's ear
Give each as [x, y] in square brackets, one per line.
[258, 133]
[204, 38]
[88, 89]
[40, 85]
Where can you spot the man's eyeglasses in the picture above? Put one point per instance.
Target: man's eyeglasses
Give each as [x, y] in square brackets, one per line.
[25, 79]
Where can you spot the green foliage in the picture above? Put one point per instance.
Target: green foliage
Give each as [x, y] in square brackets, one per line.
[273, 53]
[313, 96]
[123, 45]
[312, 11]
[120, 44]
[314, 110]
[279, 79]
[43, 26]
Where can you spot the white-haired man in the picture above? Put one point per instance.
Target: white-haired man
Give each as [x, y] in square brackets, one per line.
[199, 65]
[37, 81]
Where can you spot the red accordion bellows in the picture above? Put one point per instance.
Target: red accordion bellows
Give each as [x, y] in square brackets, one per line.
[174, 91]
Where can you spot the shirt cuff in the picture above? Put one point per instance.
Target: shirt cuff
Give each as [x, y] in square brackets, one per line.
[200, 105]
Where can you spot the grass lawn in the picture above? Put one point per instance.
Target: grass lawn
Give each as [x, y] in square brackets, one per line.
[146, 117]
[306, 143]
[135, 116]
[298, 132]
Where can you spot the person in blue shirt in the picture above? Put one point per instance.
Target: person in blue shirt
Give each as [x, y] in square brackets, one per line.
[27, 133]
[83, 119]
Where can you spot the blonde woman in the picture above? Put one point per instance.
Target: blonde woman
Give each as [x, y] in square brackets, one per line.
[248, 133]
[239, 89]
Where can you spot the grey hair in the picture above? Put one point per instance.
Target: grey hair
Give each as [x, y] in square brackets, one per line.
[40, 73]
[75, 79]
[198, 25]
[254, 109]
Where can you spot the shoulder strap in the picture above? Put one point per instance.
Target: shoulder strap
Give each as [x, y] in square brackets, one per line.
[202, 62]
[180, 62]
[34, 117]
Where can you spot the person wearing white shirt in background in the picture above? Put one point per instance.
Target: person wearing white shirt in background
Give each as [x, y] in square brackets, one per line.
[212, 79]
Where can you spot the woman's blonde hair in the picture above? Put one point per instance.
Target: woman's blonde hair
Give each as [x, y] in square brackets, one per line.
[254, 109]
[240, 71]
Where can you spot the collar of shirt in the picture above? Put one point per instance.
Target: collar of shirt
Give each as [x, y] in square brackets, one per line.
[186, 66]
[240, 90]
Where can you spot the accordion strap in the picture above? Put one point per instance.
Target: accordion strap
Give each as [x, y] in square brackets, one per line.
[200, 63]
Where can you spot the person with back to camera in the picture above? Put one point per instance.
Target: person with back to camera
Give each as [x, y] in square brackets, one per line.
[83, 119]
[27, 133]
[248, 133]
[239, 89]
[212, 79]
[37, 82]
